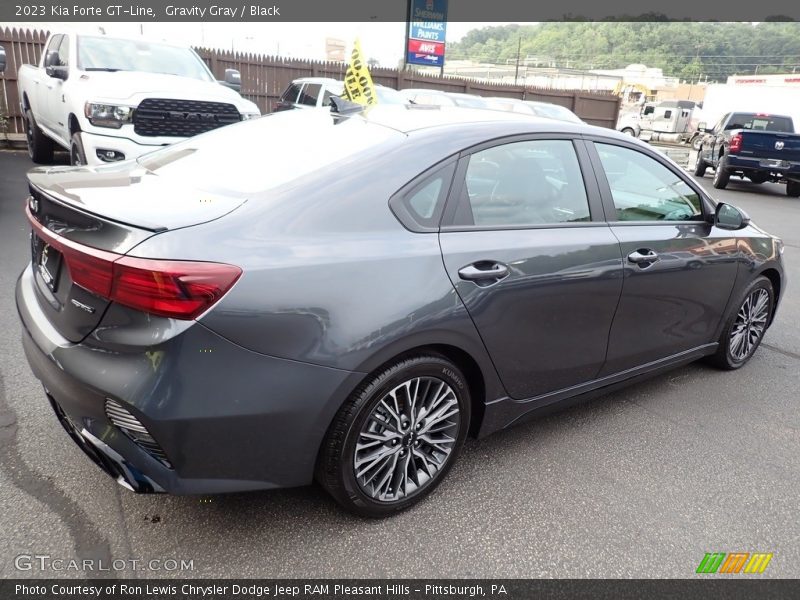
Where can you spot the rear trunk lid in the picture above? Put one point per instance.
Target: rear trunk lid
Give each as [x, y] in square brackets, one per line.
[82, 218]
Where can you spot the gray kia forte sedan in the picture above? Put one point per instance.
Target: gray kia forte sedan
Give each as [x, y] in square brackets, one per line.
[347, 297]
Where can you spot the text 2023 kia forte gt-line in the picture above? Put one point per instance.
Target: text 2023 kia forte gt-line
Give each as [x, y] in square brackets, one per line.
[348, 297]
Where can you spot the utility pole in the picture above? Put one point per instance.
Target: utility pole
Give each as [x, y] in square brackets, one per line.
[519, 48]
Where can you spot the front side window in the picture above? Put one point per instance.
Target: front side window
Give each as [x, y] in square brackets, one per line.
[63, 51]
[55, 42]
[309, 95]
[537, 182]
[643, 189]
[291, 93]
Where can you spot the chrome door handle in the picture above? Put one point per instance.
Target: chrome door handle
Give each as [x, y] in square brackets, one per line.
[642, 256]
[474, 273]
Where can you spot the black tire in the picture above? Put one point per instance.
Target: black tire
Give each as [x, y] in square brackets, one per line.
[77, 156]
[700, 166]
[336, 466]
[697, 142]
[40, 147]
[629, 131]
[793, 189]
[757, 177]
[724, 357]
[721, 174]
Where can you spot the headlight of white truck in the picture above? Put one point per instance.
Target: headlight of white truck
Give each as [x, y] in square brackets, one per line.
[250, 115]
[108, 115]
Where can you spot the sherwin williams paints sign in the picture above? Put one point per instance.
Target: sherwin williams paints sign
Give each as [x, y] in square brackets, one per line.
[426, 32]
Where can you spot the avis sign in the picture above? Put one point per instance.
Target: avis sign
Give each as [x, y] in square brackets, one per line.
[426, 32]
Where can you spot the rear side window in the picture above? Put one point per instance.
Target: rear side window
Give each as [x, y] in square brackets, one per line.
[645, 190]
[537, 182]
[291, 93]
[419, 205]
[309, 95]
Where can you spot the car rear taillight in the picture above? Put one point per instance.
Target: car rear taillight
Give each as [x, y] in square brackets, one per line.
[169, 288]
[736, 143]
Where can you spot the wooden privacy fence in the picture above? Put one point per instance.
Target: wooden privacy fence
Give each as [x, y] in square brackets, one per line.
[265, 77]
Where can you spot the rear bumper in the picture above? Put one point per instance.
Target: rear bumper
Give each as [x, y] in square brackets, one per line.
[228, 419]
[789, 170]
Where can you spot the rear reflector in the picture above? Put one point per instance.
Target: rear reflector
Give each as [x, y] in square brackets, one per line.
[168, 288]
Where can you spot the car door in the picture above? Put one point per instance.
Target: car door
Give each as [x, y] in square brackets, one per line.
[56, 103]
[43, 108]
[679, 269]
[525, 244]
[717, 140]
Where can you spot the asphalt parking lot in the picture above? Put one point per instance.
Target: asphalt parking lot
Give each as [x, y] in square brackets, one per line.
[640, 483]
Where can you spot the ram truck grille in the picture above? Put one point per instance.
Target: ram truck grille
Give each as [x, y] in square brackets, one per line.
[181, 118]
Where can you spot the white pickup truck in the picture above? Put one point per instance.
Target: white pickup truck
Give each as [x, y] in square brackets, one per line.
[109, 99]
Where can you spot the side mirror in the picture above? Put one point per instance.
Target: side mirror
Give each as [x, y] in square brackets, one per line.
[730, 217]
[2, 59]
[53, 66]
[702, 126]
[233, 80]
[58, 72]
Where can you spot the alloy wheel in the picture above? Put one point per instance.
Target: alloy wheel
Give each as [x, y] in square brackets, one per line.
[750, 324]
[407, 439]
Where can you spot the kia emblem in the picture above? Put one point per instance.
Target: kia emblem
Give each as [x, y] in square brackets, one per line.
[778, 145]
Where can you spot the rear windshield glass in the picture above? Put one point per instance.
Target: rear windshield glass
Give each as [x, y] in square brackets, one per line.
[264, 153]
[760, 122]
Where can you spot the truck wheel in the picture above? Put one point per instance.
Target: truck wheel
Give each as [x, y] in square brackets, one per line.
[793, 189]
[629, 131]
[721, 174]
[697, 142]
[40, 147]
[77, 156]
[700, 166]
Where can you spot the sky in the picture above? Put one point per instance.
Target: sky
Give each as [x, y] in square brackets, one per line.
[382, 41]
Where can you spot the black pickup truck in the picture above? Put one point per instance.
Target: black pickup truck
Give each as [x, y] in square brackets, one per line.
[758, 146]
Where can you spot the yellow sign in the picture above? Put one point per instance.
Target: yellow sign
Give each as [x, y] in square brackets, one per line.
[358, 86]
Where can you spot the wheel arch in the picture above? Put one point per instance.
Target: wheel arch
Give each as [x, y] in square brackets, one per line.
[74, 124]
[475, 377]
[775, 279]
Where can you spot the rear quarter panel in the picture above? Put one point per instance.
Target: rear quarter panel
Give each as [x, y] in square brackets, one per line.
[330, 276]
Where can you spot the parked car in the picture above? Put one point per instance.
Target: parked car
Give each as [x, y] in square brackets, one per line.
[538, 109]
[107, 99]
[351, 300]
[553, 111]
[316, 92]
[758, 146]
[442, 98]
